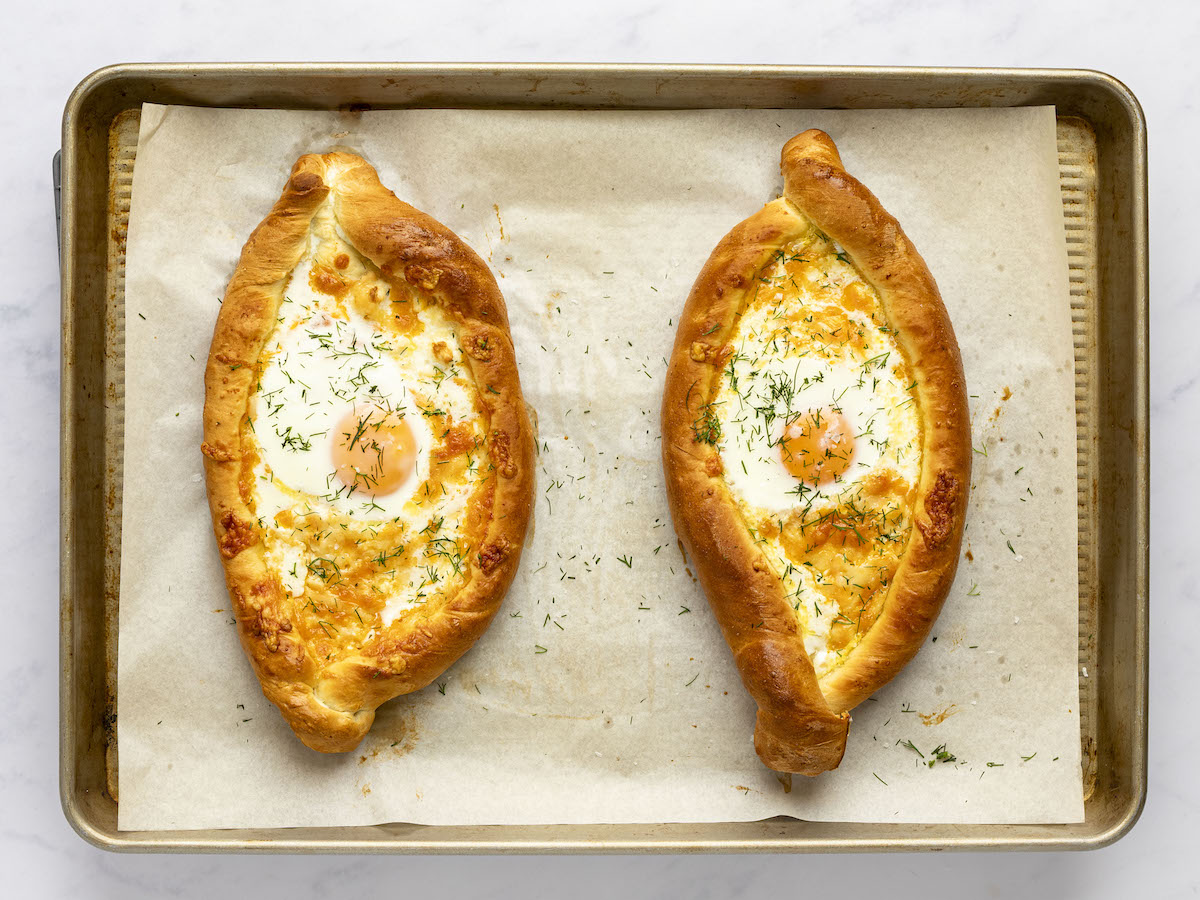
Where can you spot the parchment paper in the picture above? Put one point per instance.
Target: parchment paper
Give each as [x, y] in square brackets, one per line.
[604, 692]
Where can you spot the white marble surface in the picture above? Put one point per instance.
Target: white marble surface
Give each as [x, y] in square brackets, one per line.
[51, 46]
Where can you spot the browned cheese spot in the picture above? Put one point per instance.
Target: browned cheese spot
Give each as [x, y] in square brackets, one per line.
[492, 555]
[939, 506]
[457, 440]
[238, 535]
[422, 276]
[702, 352]
[325, 280]
[479, 346]
[501, 456]
[216, 452]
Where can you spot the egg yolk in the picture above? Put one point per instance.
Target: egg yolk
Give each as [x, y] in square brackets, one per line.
[817, 446]
[374, 451]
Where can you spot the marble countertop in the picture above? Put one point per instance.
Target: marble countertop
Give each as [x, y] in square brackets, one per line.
[51, 46]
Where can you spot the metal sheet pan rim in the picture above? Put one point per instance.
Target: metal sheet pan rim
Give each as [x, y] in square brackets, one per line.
[1097, 77]
[138, 841]
[383, 67]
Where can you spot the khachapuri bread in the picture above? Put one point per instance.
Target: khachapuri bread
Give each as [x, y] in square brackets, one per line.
[817, 454]
[368, 455]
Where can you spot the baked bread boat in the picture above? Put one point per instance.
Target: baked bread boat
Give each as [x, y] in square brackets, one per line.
[817, 455]
[368, 456]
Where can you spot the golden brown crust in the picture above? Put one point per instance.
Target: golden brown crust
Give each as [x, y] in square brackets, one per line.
[802, 721]
[331, 707]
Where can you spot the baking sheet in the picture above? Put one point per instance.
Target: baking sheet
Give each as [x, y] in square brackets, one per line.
[596, 224]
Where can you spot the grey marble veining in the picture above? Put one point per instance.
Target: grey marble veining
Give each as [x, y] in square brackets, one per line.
[51, 46]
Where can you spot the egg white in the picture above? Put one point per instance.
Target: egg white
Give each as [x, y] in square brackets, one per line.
[316, 376]
[322, 366]
[762, 390]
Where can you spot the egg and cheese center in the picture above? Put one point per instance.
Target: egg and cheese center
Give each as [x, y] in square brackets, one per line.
[366, 457]
[374, 451]
[817, 446]
[814, 417]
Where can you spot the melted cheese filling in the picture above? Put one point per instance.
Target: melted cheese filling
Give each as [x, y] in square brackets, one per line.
[816, 423]
[352, 558]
